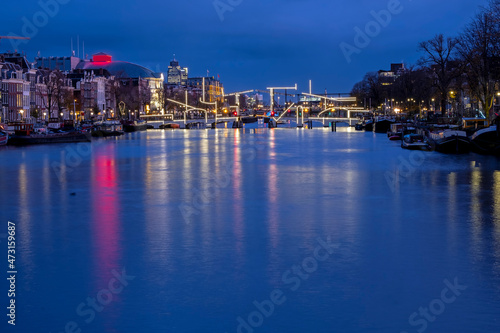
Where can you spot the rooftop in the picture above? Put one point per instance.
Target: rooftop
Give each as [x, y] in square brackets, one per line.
[117, 68]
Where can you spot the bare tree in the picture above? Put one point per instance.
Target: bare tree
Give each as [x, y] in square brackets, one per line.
[49, 94]
[412, 87]
[57, 94]
[440, 57]
[124, 90]
[480, 51]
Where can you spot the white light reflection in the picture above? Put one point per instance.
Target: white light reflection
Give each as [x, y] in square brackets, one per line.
[496, 219]
[476, 216]
[157, 216]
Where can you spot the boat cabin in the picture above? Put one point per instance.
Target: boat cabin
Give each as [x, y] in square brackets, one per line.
[55, 123]
[22, 129]
[68, 123]
[474, 123]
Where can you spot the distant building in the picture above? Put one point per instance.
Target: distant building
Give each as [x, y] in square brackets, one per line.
[64, 64]
[14, 87]
[387, 78]
[176, 74]
[257, 100]
[92, 93]
[240, 100]
[213, 88]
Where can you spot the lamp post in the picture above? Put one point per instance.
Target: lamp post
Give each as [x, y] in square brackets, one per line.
[21, 112]
[74, 108]
[297, 114]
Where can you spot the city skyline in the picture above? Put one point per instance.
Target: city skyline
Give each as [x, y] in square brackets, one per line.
[248, 46]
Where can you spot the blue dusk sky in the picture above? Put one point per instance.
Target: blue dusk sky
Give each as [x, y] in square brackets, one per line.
[250, 44]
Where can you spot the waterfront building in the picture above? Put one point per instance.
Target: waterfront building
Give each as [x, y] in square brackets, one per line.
[214, 90]
[92, 94]
[15, 89]
[138, 85]
[38, 94]
[25, 95]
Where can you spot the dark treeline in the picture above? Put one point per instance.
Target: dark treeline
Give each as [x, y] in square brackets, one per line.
[458, 74]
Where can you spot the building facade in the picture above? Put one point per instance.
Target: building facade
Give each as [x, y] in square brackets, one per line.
[214, 89]
[177, 75]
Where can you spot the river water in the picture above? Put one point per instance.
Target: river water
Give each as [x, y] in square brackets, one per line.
[250, 230]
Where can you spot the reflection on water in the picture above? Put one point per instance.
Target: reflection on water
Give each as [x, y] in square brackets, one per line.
[258, 199]
[105, 225]
[105, 213]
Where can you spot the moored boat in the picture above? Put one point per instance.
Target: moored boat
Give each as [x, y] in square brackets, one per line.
[395, 132]
[398, 130]
[368, 125]
[196, 125]
[4, 138]
[108, 128]
[169, 126]
[24, 136]
[134, 126]
[55, 124]
[382, 124]
[249, 119]
[414, 142]
[486, 141]
[450, 142]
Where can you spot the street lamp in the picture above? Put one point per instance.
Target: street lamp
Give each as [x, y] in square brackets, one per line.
[74, 108]
[21, 112]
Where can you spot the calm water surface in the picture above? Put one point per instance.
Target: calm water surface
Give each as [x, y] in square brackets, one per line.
[209, 226]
